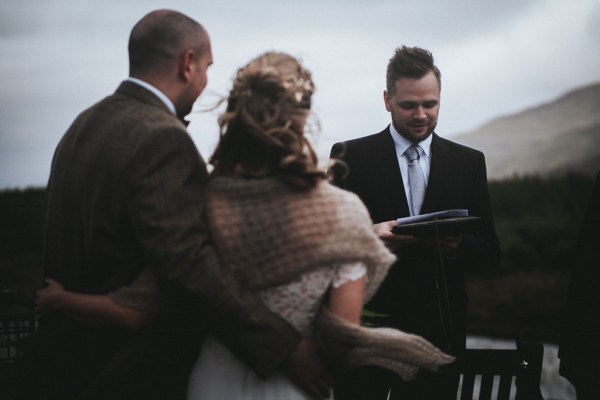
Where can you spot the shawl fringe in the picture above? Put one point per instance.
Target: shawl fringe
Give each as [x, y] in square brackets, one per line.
[353, 346]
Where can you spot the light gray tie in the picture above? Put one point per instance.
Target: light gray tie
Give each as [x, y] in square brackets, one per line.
[416, 179]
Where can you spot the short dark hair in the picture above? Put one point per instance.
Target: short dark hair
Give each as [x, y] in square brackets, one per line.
[159, 38]
[411, 62]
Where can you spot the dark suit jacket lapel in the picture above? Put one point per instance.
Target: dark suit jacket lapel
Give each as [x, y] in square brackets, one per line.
[440, 175]
[384, 152]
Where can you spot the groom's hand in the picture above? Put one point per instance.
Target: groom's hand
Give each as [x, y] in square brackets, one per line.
[305, 367]
[392, 241]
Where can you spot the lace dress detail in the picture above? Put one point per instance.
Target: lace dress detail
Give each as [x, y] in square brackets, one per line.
[219, 374]
[299, 301]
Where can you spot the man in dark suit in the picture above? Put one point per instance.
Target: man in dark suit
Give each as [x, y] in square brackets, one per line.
[424, 292]
[579, 345]
[126, 191]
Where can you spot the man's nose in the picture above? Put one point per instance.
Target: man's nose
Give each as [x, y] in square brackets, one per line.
[419, 113]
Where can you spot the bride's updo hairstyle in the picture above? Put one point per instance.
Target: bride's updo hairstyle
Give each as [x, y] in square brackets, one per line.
[262, 129]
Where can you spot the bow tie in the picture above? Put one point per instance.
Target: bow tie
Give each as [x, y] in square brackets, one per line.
[184, 122]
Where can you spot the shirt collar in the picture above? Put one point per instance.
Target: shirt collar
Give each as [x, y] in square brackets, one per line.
[402, 143]
[156, 92]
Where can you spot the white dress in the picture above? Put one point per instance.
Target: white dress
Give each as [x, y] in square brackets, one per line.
[219, 374]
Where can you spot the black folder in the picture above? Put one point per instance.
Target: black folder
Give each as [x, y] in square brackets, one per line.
[443, 226]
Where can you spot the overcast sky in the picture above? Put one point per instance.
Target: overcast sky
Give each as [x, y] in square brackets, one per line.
[58, 57]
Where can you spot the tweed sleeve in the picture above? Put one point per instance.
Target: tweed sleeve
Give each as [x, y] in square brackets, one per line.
[143, 294]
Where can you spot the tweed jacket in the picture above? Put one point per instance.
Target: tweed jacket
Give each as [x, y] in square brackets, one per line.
[126, 192]
[408, 298]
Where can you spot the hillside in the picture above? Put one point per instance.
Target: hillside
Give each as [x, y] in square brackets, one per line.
[559, 136]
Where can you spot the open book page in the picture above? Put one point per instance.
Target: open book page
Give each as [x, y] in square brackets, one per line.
[433, 216]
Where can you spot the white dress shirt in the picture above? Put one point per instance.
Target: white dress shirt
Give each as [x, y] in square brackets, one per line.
[157, 92]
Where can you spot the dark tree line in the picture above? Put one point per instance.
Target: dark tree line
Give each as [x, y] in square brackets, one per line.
[538, 219]
[22, 214]
[538, 222]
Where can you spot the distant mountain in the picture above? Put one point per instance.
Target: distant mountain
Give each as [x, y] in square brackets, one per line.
[553, 138]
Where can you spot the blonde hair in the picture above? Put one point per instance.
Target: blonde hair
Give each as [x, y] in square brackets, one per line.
[262, 128]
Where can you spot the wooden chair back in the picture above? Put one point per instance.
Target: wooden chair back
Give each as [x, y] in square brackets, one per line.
[500, 374]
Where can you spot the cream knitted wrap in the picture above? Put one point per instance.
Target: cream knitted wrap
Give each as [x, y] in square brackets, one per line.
[270, 233]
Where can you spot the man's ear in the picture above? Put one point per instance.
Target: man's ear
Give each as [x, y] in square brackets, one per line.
[187, 65]
[387, 101]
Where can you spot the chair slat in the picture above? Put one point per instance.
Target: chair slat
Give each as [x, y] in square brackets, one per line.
[521, 367]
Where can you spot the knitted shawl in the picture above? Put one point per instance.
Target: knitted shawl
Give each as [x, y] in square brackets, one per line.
[270, 233]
